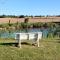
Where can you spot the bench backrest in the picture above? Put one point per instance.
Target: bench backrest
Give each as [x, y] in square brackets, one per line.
[28, 36]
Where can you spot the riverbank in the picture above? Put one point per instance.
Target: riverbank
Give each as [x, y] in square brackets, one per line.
[48, 29]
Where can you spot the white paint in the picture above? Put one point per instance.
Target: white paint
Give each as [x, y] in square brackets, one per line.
[28, 36]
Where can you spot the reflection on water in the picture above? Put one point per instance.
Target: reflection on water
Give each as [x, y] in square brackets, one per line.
[11, 34]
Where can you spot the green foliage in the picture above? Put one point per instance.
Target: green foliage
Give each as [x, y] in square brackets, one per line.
[54, 28]
[2, 16]
[8, 16]
[35, 25]
[21, 16]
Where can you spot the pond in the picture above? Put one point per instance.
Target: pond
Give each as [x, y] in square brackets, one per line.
[11, 34]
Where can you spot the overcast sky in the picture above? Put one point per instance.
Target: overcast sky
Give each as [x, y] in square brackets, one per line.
[30, 7]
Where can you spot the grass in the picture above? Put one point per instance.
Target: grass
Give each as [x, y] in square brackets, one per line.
[48, 50]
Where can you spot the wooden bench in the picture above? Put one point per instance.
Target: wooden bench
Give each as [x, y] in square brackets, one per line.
[32, 36]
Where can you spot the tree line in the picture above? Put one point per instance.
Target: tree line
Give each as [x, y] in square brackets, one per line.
[23, 16]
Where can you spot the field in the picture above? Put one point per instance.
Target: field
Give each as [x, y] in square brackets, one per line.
[36, 19]
[49, 50]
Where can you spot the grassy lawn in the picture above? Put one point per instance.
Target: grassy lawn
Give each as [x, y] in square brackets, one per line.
[49, 50]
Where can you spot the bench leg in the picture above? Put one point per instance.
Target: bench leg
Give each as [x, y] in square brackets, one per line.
[38, 42]
[19, 44]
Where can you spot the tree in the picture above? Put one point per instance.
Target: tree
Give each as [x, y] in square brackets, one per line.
[21, 16]
[2, 16]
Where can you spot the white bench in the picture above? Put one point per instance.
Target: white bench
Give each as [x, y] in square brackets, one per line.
[35, 37]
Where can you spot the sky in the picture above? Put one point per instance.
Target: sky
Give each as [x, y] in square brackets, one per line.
[30, 7]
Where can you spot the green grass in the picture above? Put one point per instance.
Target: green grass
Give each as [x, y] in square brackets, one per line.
[48, 50]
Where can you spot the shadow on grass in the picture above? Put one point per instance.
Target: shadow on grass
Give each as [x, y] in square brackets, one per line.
[15, 44]
[8, 44]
